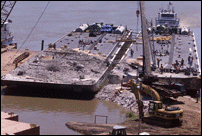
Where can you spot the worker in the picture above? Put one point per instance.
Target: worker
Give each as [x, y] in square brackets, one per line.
[176, 62]
[197, 96]
[141, 107]
[131, 52]
[189, 58]
[158, 62]
[84, 45]
[182, 62]
[161, 68]
[122, 81]
[54, 46]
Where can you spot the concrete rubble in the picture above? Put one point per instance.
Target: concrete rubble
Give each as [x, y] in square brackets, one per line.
[62, 66]
[126, 98]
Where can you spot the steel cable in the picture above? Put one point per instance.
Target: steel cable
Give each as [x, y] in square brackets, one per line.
[28, 35]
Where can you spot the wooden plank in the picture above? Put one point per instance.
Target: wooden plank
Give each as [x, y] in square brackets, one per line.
[8, 57]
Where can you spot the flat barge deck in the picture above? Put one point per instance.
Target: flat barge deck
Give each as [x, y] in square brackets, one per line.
[168, 51]
[185, 46]
[8, 55]
[81, 62]
[76, 62]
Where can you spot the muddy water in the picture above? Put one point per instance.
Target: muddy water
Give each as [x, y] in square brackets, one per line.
[60, 18]
[51, 114]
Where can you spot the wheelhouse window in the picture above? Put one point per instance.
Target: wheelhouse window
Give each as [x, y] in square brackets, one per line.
[167, 15]
[151, 107]
[160, 105]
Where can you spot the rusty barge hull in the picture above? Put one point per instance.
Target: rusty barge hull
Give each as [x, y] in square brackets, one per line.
[46, 86]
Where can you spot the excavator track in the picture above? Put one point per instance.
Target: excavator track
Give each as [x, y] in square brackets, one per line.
[161, 122]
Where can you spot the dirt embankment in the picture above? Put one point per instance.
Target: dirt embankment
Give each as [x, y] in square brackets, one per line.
[191, 124]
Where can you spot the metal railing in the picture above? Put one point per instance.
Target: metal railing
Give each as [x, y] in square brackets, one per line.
[100, 116]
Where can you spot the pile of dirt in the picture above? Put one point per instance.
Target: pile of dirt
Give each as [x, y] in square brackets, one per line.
[191, 121]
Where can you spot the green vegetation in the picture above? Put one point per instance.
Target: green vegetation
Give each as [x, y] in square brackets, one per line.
[132, 116]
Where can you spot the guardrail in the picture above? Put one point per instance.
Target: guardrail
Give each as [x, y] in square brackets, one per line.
[96, 42]
[119, 54]
[20, 58]
[100, 116]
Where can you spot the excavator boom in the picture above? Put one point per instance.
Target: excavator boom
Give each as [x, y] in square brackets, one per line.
[158, 115]
[150, 91]
[143, 88]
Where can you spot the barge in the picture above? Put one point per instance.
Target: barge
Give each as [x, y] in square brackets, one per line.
[84, 58]
[80, 61]
[173, 53]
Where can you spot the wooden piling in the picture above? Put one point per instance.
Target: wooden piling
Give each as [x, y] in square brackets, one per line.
[42, 44]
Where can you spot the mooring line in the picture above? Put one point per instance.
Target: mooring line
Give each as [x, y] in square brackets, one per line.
[28, 35]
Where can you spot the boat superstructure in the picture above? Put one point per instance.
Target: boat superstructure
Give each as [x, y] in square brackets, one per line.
[173, 54]
[6, 37]
[167, 18]
[173, 57]
[177, 54]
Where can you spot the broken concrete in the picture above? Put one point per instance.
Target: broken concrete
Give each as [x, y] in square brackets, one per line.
[125, 98]
[61, 66]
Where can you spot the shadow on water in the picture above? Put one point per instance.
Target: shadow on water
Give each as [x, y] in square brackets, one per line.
[47, 93]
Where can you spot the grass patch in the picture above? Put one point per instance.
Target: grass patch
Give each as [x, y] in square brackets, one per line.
[132, 116]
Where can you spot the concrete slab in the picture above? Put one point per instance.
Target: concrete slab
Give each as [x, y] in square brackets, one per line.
[10, 116]
[9, 127]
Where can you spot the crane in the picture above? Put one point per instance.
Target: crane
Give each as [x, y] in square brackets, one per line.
[146, 74]
[146, 56]
[6, 37]
[6, 8]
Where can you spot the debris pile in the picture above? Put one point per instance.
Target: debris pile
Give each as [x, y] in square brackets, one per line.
[126, 98]
[62, 66]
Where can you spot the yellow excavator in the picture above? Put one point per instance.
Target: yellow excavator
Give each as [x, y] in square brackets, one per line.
[157, 114]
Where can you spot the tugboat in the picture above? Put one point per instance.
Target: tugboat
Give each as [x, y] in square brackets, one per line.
[172, 51]
[176, 51]
[168, 18]
[6, 37]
